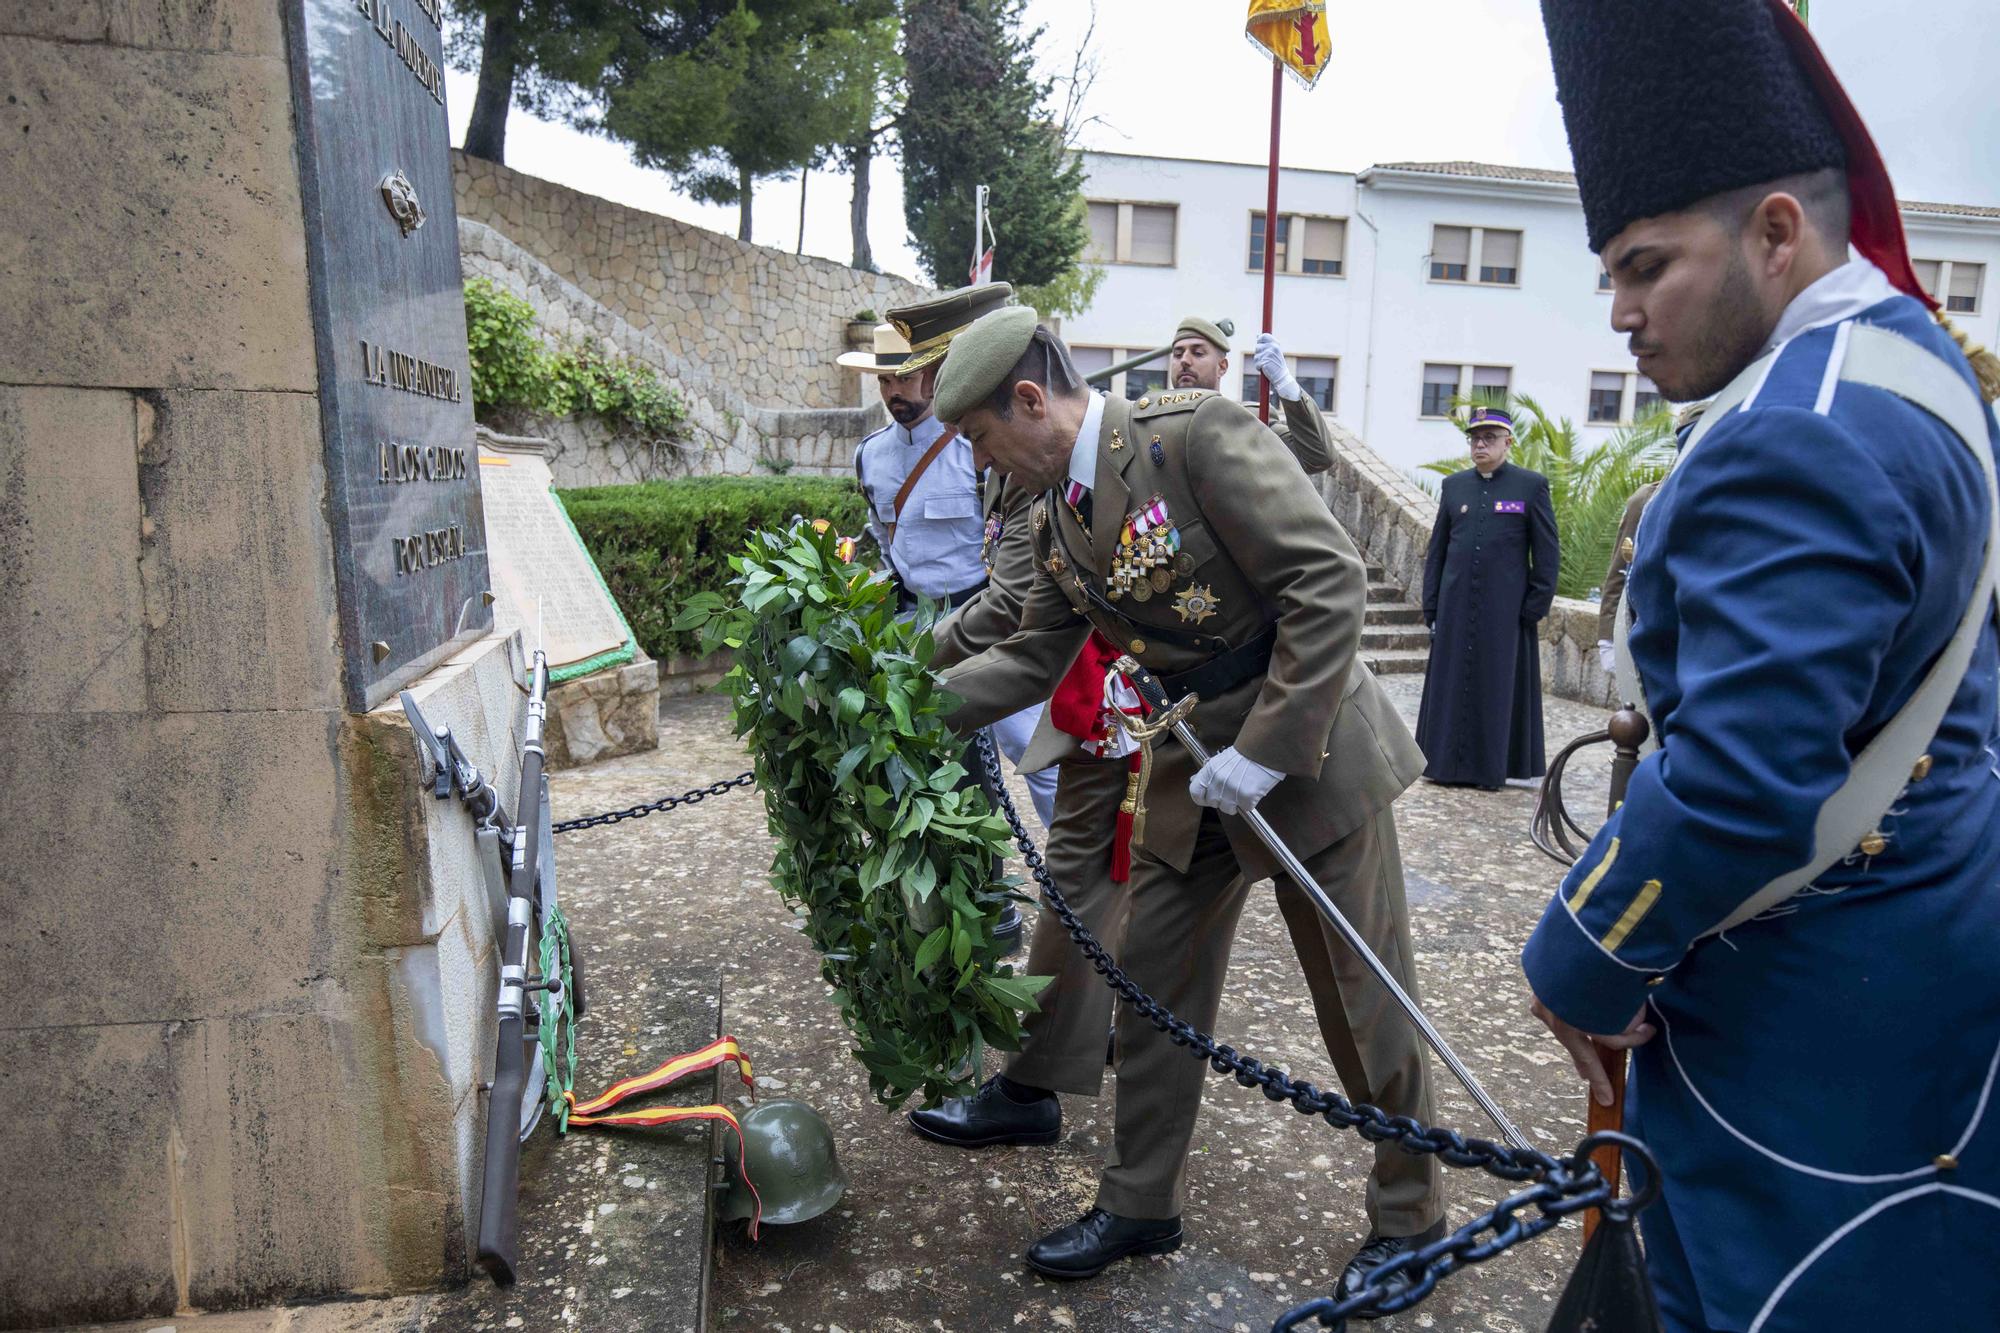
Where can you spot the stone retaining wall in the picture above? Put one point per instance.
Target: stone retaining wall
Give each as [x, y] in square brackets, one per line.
[1390, 518]
[768, 323]
[724, 432]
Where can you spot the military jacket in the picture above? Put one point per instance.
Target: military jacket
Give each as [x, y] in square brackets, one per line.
[1621, 559]
[1302, 428]
[1832, 1056]
[1255, 548]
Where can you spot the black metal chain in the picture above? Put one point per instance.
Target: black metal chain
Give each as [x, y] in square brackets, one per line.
[1562, 1185]
[695, 797]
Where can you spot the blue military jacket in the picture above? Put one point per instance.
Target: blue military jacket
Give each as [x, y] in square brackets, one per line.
[1819, 1092]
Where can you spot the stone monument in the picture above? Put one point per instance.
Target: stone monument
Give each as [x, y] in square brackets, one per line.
[251, 987]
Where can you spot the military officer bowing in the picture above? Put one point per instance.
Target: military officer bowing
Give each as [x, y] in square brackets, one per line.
[1254, 602]
[924, 503]
[1089, 846]
[1794, 915]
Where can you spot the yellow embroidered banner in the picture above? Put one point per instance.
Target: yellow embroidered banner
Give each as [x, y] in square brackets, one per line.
[1293, 33]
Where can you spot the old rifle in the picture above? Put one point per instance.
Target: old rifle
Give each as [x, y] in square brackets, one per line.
[1156, 699]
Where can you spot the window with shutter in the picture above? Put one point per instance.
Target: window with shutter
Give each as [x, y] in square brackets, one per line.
[1440, 387]
[1322, 246]
[1257, 243]
[1500, 256]
[1490, 384]
[1318, 376]
[1646, 398]
[1607, 395]
[1152, 234]
[1103, 247]
[1962, 292]
[1451, 251]
[1927, 275]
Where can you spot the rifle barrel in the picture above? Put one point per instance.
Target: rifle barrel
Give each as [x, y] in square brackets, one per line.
[1228, 327]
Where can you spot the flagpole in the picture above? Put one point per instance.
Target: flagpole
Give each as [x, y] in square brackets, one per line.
[1271, 230]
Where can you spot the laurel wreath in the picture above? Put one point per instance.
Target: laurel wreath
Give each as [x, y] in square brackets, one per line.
[882, 849]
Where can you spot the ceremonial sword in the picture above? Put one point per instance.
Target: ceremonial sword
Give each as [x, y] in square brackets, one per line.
[1156, 699]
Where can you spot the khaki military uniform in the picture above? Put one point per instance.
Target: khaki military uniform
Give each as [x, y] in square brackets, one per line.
[1302, 428]
[1262, 565]
[1621, 560]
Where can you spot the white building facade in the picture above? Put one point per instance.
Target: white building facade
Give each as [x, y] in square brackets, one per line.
[1409, 283]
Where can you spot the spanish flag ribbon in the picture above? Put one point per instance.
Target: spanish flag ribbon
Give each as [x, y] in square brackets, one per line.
[1293, 33]
[597, 1112]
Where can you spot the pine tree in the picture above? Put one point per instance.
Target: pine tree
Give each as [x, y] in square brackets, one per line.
[977, 114]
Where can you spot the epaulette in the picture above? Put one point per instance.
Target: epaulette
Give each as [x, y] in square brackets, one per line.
[1176, 400]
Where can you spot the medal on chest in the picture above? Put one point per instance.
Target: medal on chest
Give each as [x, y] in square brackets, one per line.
[1144, 562]
[995, 528]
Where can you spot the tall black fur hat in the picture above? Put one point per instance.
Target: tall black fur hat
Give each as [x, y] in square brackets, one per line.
[1668, 102]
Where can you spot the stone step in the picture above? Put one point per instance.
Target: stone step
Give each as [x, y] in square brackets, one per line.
[1397, 661]
[1377, 574]
[1376, 638]
[1384, 592]
[1395, 613]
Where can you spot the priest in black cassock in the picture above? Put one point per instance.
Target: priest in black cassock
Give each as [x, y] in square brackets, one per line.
[1489, 579]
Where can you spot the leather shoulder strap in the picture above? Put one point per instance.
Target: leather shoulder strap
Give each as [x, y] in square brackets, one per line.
[916, 473]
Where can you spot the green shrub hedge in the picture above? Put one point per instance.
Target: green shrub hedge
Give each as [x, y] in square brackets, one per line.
[661, 542]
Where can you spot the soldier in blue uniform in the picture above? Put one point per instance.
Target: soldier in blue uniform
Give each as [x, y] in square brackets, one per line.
[1794, 917]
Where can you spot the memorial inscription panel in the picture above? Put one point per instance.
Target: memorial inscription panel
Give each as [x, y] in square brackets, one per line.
[389, 318]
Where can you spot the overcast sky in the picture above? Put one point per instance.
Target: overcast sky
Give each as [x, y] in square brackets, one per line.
[1440, 80]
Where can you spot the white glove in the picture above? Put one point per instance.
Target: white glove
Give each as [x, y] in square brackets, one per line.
[1606, 658]
[1269, 358]
[1231, 783]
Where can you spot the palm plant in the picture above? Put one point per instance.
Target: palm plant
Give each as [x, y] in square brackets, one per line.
[1588, 485]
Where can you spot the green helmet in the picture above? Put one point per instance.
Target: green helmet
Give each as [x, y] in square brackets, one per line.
[788, 1151]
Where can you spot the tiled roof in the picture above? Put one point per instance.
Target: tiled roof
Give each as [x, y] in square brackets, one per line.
[1487, 171]
[1956, 210]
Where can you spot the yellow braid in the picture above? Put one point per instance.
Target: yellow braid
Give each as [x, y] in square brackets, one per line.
[1985, 365]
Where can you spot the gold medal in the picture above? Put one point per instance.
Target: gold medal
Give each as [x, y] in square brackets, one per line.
[1196, 604]
[1626, 550]
[1142, 591]
[1183, 564]
[1161, 579]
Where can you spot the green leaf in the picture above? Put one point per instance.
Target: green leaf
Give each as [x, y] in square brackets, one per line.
[961, 944]
[853, 703]
[931, 949]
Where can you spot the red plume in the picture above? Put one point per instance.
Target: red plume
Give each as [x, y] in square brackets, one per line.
[1876, 224]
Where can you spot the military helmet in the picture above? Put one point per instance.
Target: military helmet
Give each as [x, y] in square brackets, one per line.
[788, 1151]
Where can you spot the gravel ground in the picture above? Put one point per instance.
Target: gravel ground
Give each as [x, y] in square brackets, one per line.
[929, 1237]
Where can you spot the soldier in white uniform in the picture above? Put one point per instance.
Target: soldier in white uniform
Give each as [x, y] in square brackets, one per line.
[924, 504]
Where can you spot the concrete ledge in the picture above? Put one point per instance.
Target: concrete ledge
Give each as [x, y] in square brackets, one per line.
[682, 676]
[608, 713]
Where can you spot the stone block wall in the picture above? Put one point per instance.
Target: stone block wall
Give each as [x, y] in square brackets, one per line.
[767, 323]
[1390, 518]
[725, 432]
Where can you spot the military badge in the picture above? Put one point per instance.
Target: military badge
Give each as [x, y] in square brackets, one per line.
[1159, 454]
[1117, 440]
[995, 527]
[1626, 550]
[1147, 544]
[1196, 604]
[1510, 506]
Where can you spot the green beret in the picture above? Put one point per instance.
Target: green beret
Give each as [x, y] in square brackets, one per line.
[980, 358]
[1200, 328]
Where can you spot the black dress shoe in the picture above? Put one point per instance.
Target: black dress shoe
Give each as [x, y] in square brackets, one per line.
[1091, 1244]
[1379, 1250]
[990, 1117]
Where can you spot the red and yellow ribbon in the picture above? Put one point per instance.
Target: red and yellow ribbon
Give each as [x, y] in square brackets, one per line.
[596, 1111]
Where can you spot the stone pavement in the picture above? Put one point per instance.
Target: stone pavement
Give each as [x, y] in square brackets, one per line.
[929, 1238]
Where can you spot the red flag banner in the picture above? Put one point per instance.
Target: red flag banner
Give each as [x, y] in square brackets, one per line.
[1293, 33]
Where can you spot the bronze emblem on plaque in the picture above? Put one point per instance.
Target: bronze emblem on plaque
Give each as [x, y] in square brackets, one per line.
[401, 199]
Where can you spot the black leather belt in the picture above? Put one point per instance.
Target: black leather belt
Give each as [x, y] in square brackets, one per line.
[1224, 673]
